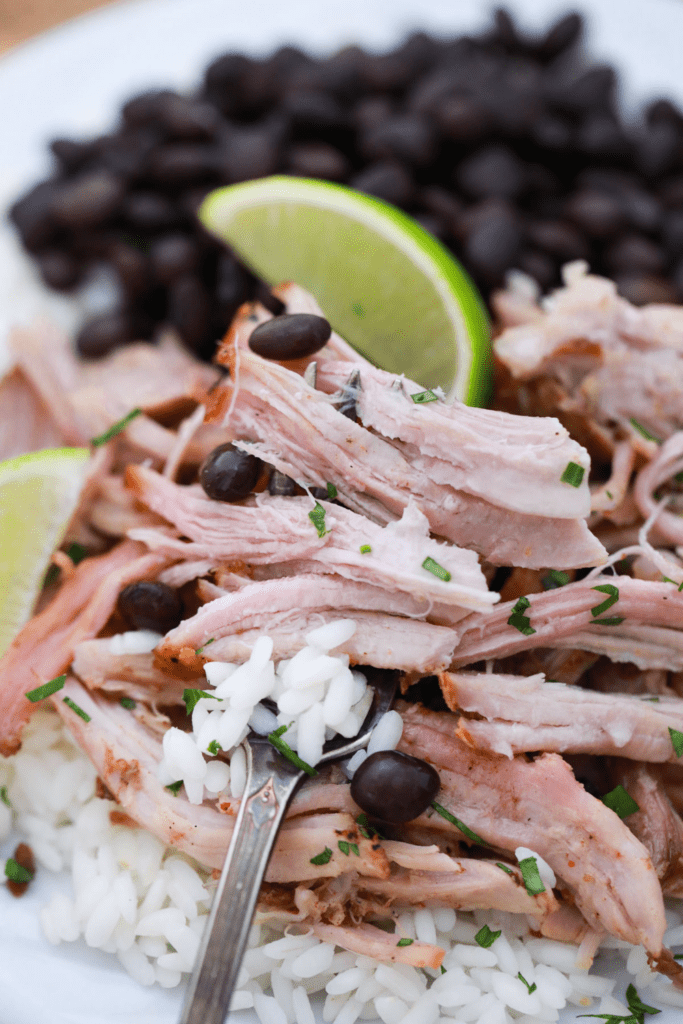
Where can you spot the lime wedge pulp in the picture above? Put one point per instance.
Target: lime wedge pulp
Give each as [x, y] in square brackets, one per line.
[39, 493]
[385, 284]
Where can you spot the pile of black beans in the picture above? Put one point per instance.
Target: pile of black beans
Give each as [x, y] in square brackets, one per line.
[508, 148]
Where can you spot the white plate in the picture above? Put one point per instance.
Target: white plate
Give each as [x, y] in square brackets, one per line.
[71, 81]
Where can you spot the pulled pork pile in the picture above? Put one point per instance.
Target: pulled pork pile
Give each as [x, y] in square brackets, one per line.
[547, 651]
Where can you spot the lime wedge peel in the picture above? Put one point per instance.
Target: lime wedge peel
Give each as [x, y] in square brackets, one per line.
[39, 494]
[387, 286]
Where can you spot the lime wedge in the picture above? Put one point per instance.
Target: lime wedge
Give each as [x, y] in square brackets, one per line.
[38, 495]
[385, 284]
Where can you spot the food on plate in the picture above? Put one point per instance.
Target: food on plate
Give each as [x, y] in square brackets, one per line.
[258, 544]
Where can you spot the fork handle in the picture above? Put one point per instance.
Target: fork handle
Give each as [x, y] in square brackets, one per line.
[267, 793]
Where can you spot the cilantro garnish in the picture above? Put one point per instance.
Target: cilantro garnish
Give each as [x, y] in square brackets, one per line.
[317, 517]
[619, 801]
[322, 858]
[458, 824]
[77, 710]
[519, 620]
[485, 937]
[192, 697]
[612, 591]
[47, 689]
[573, 474]
[276, 739]
[115, 429]
[533, 882]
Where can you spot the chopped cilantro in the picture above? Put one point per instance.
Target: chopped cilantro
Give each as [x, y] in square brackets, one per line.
[613, 597]
[16, 873]
[643, 431]
[214, 747]
[174, 786]
[367, 830]
[322, 858]
[46, 690]
[431, 566]
[4, 797]
[421, 397]
[555, 578]
[533, 882]
[676, 741]
[530, 988]
[331, 491]
[276, 739]
[619, 801]
[458, 824]
[365, 549]
[347, 848]
[615, 620]
[573, 474]
[200, 649]
[519, 620]
[485, 937]
[405, 942]
[192, 697]
[115, 429]
[505, 868]
[317, 517]
[76, 709]
[128, 703]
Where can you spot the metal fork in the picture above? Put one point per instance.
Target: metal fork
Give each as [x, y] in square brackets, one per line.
[271, 783]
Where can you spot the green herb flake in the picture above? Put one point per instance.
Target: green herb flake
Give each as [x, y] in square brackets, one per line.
[367, 830]
[128, 703]
[115, 429]
[431, 566]
[619, 801]
[317, 517]
[458, 824]
[16, 873]
[519, 620]
[643, 431]
[192, 697]
[405, 942]
[422, 397]
[609, 495]
[174, 786]
[347, 848]
[331, 491]
[636, 1005]
[283, 748]
[615, 620]
[530, 988]
[612, 598]
[76, 709]
[76, 552]
[200, 649]
[365, 549]
[676, 741]
[573, 474]
[505, 868]
[47, 689]
[533, 882]
[652, 700]
[555, 578]
[322, 858]
[4, 796]
[485, 937]
[214, 747]
[442, 969]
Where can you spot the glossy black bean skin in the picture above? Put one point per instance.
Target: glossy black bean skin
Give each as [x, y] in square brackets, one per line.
[394, 787]
[147, 605]
[229, 474]
[102, 334]
[290, 336]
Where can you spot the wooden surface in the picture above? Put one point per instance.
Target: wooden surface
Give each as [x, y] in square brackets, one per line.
[21, 19]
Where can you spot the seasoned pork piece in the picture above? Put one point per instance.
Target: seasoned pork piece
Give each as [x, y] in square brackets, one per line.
[613, 362]
[45, 646]
[524, 713]
[648, 632]
[289, 608]
[273, 531]
[26, 423]
[85, 399]
[299, 431]
[131, 675]
[540, 805]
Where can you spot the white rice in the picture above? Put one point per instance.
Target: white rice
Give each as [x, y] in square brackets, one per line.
[147, 905]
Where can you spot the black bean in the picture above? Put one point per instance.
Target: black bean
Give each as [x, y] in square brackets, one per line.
[593, 89]
[149, 211]
[182, 162]
[283, 486]
[671, 192]
[672, 233]
[230, 281]
[251, 152]
[493, 171]
[59, 270]
[33, 215]
[635, 253]
[493, 242]
[559, 239]
[89, 200]
[601, 136]
[172, 256]
[596, 213]
[563, 34]
[387, 179]
[318, 160]
[132, 267]
[659, 148]
[641, 209]
[443, 205]
[222, 79]
[291, 336]
[189, 119]
[313, 111]
[405, 137]
[539, 266]
[101, 334]
[464, 118]
[372, 112]
[71, 154]
[229, 474]
[552, 132]
[147, 605]
[189, 311]
[641, 289]
[394, 787]
[127, 154]
[146, 108]
[264, 295]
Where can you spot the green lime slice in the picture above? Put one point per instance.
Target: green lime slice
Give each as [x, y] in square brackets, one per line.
[38, 495]
[386, 285]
